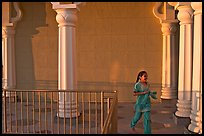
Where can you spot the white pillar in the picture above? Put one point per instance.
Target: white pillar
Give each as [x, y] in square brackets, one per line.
[169, 61]
[185, 16]
[8, 46]
[170, 49]
[67, 18]
[196, 121]
[9, 68]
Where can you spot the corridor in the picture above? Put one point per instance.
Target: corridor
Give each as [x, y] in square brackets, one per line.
[161, 116]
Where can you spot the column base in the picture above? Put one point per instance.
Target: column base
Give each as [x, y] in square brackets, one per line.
[10, 97]
[187, 131]
[169, 101]
[68, 114]
[183, 121]
[168, 93]
[193, 128]
[69, 110]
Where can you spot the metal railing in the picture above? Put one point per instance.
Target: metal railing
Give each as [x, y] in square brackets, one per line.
[59, 111]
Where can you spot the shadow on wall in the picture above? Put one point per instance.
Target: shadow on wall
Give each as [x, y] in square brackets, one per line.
[29, 48]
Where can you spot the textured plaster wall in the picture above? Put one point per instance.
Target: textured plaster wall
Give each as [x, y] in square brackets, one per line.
[115, 40]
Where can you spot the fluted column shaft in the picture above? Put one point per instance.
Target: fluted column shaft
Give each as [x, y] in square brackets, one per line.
[8, 58]
[169, 61]
[185, 61]
[9, 23]
[196, 111]
[170, 49]
[67, 17]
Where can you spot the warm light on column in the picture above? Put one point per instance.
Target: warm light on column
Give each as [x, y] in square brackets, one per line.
[67, 79]
[196, 107]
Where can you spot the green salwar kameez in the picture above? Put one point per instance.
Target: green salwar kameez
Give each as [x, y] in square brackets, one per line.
[143, 106]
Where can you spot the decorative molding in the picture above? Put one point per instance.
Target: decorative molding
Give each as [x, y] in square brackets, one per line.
[178, 4]
[7, 31]
[4, 32]
[168, 15]
[174, 4]
[169, 28]
[66, 17]
[156, 12]
[18, 11]
[197, 6]
[57, 5]
[185, 15]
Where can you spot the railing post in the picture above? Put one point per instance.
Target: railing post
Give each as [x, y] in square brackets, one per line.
[114, 127]
[108, 120]
[5, 118]
[102, 111]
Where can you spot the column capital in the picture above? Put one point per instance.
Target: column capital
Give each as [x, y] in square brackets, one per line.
[8, 31]
[18, 13]
[168, 12]
[157, 12]
[62, 5]
[197, 6]
[66, 14]
[66, 17]
[185, 14]
[12, 21]
[178, 4]
[169, 27]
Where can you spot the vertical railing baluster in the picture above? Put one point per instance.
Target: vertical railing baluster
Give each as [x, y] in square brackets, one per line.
[33, 111]
[39, 106]
[115, 114]
[108, 105]
[102, 97]
[77, 121]
[70, 119]
[45, 112]
[58, 119]
[27, 111]
[10, 111]
[83, 116]
[89, 112]
[96, 113]
[64, 115]
[5, 116]
[52, 123]
[16, 109]
[22, 130]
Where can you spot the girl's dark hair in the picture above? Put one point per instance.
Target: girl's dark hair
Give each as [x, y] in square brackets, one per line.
[141, 73]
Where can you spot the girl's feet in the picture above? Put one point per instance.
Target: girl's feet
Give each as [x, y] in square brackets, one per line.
[133, 128]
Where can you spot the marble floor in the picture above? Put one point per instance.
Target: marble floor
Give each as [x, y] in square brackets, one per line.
[161, 117]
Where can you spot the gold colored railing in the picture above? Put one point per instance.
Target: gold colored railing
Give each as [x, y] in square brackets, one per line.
[38, 111]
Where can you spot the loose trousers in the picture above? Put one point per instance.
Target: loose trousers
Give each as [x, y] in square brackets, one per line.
[146, 123]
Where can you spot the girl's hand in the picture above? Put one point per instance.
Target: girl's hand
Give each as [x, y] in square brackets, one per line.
[145, 92]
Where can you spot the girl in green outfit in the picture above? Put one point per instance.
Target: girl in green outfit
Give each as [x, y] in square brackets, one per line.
[143, 103]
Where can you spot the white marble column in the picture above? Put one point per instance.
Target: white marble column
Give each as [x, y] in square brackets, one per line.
[8, 46]
[196, 121]
[170, 49]
[67, 18]
[169, 65]
[185, 16]
[9, 68]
